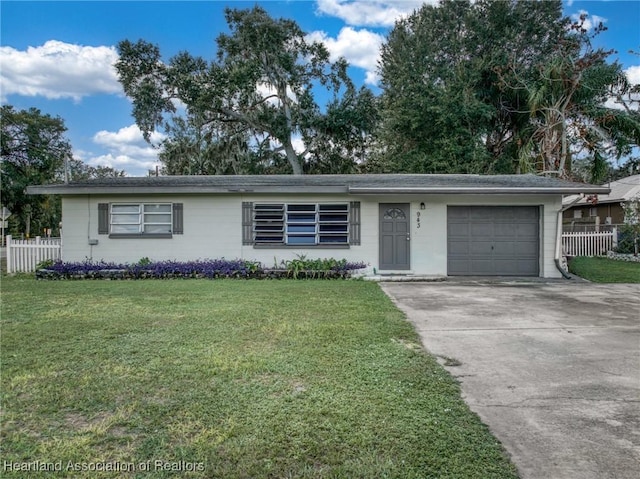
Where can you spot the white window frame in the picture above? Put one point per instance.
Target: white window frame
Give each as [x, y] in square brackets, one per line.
[144, 218]
[593, 212]
[301, 224]
[577, 213]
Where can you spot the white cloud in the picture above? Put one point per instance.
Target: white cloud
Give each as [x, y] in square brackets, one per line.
[126, 137]
[58, 70]
[133, 166]
[590, 21]
[126, 149]
[361, 48]
[372, 13]
[633, 74]
[632, 101]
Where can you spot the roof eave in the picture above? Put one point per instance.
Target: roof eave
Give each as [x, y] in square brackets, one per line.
[155, 190]
[316, 189]
[480, 190]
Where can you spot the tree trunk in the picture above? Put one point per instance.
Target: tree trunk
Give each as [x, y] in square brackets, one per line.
[292, 157]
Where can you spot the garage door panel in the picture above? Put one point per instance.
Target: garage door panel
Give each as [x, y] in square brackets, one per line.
[459, 247]
[481, 229]
[518, 267]
[528, 213]
[527, 265]
[501, 213]
[527, 230]
[458, 229]
[480, 247]
[505, 230]
[480, 213]
[493, 240]
[506, 267]
[504, 249]
[458, 267]
[459, 214]
[481, 267]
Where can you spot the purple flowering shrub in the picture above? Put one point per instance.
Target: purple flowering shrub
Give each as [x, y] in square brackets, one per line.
[210, 268]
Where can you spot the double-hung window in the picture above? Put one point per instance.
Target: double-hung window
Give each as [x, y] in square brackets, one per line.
[153, 220]
[141, 218]
[301, 224]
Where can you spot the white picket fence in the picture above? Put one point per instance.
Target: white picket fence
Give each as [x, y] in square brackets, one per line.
[24, 255]
[589, 243]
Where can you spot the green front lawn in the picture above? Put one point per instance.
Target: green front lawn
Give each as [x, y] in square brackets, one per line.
[605, 270]
[229, 379]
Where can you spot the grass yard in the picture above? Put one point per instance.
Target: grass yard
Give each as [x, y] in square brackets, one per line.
[228, 379]
[605, 270]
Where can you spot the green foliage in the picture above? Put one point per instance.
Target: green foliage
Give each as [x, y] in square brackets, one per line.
[565, 97]
[500, 87]
[629, 237]
[442, 109]
[605, 270]
[252, 266]
[144, 261]
[313, 268]
[582, 170]
[47, 263]
[258, 92]
[33, 149]
[252, 379]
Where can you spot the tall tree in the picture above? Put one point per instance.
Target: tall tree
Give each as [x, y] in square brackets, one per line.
[77, 170]
[442, 109]
[254, 101]
[567, 106]
[501, 86]
[33, 149]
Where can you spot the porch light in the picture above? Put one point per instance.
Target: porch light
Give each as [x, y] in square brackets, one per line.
[422, 206]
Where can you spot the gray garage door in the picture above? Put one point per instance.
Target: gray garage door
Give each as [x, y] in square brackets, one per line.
[493, 240]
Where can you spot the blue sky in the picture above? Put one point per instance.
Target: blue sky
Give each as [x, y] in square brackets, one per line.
[57, 56]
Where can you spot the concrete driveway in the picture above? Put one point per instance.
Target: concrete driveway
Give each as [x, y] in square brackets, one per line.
[552, 368]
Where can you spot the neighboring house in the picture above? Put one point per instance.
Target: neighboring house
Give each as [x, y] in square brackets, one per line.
[398, 224]
[601, 209]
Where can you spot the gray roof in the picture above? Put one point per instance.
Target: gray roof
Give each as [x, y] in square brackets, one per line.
[349, 184]
[621, 190]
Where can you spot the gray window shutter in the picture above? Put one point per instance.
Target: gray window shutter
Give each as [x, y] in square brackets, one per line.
[103, 218]
[178, 219]
[247, 222]
[354, 223]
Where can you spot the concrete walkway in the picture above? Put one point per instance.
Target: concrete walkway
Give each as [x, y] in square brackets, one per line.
[552, 368]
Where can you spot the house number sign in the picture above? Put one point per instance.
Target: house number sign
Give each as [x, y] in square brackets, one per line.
[417, 219]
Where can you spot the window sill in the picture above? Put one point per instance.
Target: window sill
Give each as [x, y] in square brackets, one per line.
[301, 246]
[140, 235]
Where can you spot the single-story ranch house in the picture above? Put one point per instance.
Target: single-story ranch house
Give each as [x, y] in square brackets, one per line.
[418, 225]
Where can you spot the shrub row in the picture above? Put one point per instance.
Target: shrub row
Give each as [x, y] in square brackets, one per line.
[212, 269]
[623, 257]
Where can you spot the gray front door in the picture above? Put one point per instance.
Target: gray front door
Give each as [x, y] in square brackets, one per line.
[394, 236]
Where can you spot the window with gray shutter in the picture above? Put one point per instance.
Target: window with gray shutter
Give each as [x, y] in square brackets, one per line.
[301, 224]
[141, 220]
[103, 218]
[178, 218]
[354, 223]
[247, 222]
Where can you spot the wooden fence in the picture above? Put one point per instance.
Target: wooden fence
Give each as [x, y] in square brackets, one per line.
[24, 255]
[589, 243]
